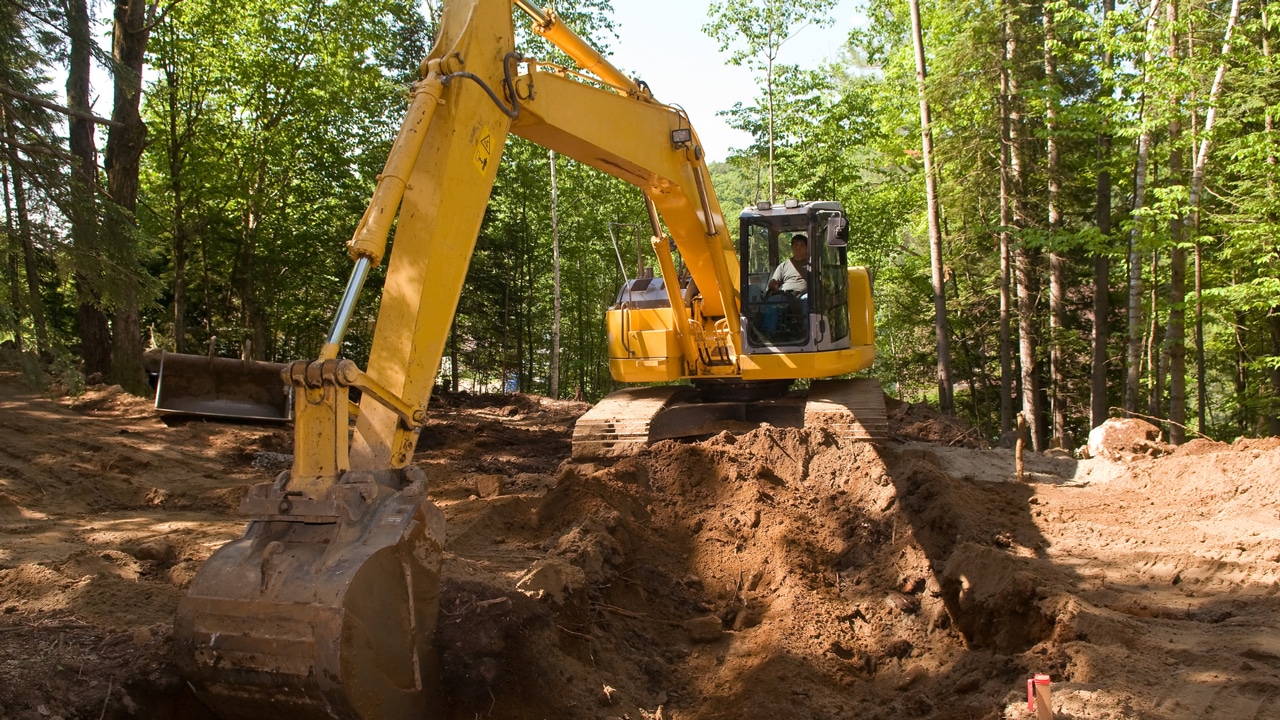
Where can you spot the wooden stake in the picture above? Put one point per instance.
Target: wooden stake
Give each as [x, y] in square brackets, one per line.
[1021, 445]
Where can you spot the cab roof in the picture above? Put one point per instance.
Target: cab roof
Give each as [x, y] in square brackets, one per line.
[767, 210]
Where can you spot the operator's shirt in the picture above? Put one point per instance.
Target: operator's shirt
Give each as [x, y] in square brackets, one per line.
[790, 279]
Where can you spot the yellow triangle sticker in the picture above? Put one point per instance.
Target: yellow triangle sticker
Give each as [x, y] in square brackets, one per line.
[484, 150]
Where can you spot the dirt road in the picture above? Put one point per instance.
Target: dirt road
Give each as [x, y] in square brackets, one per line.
[770, 574]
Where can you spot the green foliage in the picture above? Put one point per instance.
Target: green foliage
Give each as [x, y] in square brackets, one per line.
[753, 31]
[277, 116]
[268, 122]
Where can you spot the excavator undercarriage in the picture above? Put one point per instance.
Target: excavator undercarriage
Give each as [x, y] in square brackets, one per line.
[627, 421]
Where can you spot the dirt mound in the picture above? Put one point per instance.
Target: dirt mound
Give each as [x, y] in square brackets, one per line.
[12, 512]
[98, 588]
[923, 423]
[782, 573]
[1259, 444]
[767, 573]
[109, 400]
[763, 574]
[504, 404]
[1212, 476]
[1200, 446]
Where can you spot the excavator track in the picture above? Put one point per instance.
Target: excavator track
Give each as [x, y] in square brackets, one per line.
[851, 409]
[627, 421]
[619, 425]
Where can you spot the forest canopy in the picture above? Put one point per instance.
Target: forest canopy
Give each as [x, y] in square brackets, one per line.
[1104, 191]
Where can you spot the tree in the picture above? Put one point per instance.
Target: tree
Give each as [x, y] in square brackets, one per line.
[942, 331]
[126, 141]
[82, 210]
[28, 176]
[1100, 405]
[553, 374]
[754, 31]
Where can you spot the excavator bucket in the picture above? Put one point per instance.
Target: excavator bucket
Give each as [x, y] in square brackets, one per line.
[222, 387]
[323, 609]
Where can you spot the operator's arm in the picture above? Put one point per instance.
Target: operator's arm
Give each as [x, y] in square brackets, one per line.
[779, 276]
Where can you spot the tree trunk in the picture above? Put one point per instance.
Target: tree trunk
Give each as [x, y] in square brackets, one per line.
[1026, 345]
[10, 250]
[24, 237]
[519, 317]
[453, 356]
[1197, 189]
[1155, 349]
[30, 264]
[95, 337]
[1006, 271]
[1274, 422]
[768, 79]
[1201, 385]
[1176, 340]
[1242, 373]
[125, 143]
[942, 331]
[554, 372]
[251, 316]
[1201, 381]
[1057, 261]
[1134, 355]
[179, 228]
[1099, 402]
[1175, 335]
[1023, 262]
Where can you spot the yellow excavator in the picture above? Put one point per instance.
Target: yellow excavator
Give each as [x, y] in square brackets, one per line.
[326, 606]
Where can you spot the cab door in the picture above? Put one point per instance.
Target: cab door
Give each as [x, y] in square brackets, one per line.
[830, 301]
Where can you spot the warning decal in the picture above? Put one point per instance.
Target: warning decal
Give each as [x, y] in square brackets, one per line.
[484, 149]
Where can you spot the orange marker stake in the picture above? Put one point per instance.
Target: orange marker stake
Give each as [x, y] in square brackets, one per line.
[1038, 697]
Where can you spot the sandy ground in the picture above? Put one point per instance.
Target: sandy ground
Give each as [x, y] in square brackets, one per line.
[769, 574]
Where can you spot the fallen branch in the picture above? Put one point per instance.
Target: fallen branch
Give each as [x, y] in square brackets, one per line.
[635, 615]
[111, 683]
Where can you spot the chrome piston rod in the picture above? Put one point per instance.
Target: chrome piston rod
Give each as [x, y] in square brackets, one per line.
[333, 343]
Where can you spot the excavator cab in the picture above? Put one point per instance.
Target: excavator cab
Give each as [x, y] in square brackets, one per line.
[814, 319]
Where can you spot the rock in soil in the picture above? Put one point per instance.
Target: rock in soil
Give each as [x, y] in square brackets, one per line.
[708, 628]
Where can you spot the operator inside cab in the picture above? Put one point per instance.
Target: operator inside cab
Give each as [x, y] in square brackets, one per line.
[790, 279]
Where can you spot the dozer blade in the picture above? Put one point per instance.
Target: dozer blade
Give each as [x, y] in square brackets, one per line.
[222, 387]
[323, 609]
[627, 421]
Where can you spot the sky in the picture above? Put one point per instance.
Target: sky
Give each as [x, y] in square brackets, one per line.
[662, 43]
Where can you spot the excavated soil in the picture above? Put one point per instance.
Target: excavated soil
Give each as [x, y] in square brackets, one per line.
[775, 573]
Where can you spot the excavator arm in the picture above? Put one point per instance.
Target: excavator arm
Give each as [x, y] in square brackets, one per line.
[444, 166]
